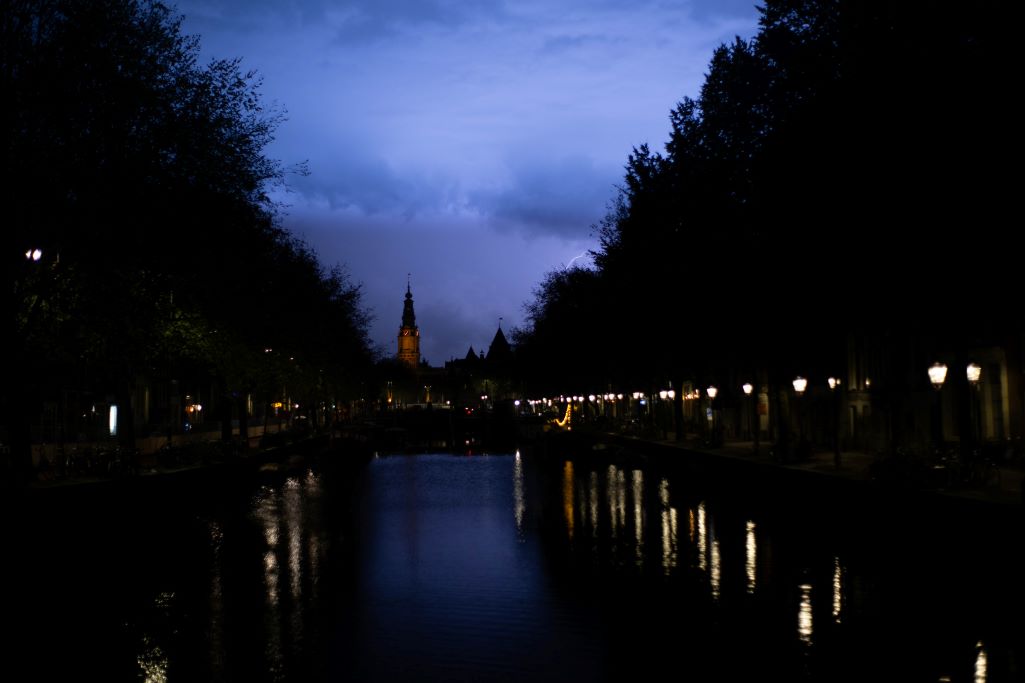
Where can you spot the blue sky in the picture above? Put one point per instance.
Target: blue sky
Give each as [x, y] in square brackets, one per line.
[471, 143]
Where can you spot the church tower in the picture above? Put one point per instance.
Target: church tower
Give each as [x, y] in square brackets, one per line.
[409, 334]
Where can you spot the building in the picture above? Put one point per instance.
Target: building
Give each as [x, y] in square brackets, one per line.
[409, 334]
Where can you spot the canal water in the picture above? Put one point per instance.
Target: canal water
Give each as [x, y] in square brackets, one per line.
[500, 568]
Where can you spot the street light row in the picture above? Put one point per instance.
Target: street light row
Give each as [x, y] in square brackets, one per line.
[800, 385]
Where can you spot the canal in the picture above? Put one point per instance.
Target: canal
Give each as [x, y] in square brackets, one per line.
[500, 568]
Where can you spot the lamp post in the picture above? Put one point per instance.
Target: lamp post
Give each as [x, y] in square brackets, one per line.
[833, 383]
[974, 373]
[756, 427]
[800, 385]
[712, 392]
[937, 375]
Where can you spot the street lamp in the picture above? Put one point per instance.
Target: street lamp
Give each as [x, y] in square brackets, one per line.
[756, 427]
[800, 385]
[712, 392]
[833, 383]
[937, 375]
[974, 373]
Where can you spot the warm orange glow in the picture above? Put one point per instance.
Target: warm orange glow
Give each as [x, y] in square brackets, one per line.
[567, 496]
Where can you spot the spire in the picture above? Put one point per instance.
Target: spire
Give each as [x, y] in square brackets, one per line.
[408, 316]
[499, 351]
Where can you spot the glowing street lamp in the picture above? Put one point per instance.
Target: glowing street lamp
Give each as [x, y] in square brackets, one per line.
[974, 373]
[748, 389]
[34, 254]
[712, 392]
[800, 385]
[937, 375]
[833, 383]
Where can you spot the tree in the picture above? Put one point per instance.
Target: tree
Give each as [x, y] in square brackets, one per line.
[142, 176]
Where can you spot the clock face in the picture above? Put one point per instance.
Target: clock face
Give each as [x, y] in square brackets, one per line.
[405, 333]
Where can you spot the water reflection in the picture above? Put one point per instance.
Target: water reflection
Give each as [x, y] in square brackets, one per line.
[702, 539]
[567, 497]
[511, 568]
[153, 662]
[981, 663]
[804, 615]
[638, 505]
[519, 501]
[751, 557]
[215, 631]
[838, 596]
[670, 552]
[593, 496]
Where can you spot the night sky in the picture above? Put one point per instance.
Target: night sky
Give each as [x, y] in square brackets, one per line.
[471, 143]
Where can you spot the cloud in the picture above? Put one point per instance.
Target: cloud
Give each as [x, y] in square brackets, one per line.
[472, 143]
[563, 198]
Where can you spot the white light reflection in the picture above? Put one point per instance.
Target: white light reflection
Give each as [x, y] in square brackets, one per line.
[638, 496]
[702, 539]
[592, 499]
[715, 576]
[837, 590]
[804, 625]
[268, 513]
[518, 503]
[981, 663]
[669, 530]
[567, 497]
[751, 562]
[294, 524]
[313, 492]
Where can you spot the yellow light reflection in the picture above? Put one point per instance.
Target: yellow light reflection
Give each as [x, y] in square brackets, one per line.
[612, 498]
[981, 663]
[715, 575]
[702, 539]
[670, 552]
[804, 623]
[751, 562]
[638, 499]
[837, 590]
[518, 502]
[567, 497]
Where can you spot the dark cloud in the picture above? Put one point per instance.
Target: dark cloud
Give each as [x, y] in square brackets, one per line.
[354, 21]
[448, 331]
[464, 276]
[563, 198]
[369, 186]
[710, 10]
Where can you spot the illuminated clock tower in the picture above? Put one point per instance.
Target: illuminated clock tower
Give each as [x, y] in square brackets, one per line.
[409, 334]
